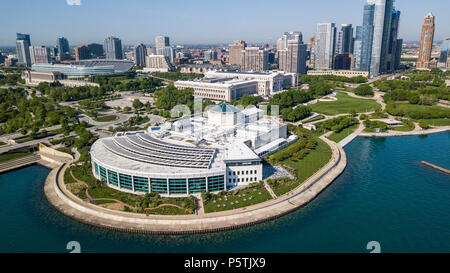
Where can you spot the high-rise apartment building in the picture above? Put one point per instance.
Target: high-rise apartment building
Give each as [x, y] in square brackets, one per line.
[113, 48]
[140, 52]
[23, 49]
[324, 48]
[39, 55]
[345, 40]
[235, 51]
[426, 42]
[167, 51]
[398, 53]
[254, 59]
[292, 59]
[162, 41]
[82, 53]
[210, 55]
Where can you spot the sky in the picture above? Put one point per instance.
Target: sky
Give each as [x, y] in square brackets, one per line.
[196, 21]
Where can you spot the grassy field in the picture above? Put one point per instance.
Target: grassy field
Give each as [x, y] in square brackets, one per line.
[106, 118]
[336, 137]
[403, 128]
[320, 117]
[10, 156]
[439, 122]
[345, 104]
[306, 167]
[407, 107]
[237, 199]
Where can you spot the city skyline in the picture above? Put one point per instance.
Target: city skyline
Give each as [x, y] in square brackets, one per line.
[73, 21]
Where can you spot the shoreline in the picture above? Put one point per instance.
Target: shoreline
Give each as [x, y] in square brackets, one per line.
[77, 209]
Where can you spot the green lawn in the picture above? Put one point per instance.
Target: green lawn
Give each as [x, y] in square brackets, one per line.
[306, 167]
[2, 143]
[314, 119]
[403, 128]
[237, 199]
[105, 118]
[439, 122]
[345, 104]
[336, 137]
[10, 156]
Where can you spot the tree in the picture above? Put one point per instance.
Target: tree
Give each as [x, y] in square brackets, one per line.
[364, 90]
[137, 104]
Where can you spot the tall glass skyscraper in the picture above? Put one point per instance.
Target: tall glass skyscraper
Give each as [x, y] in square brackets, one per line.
[324, 47]
[23, 49]
[113, 48]
[140, 51]
[362, 55]
[63, 46]
[445, 50]
[344, 45]
[393, 39]
[381, 33]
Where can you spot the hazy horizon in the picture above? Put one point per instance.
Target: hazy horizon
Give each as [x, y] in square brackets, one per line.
[197, 22]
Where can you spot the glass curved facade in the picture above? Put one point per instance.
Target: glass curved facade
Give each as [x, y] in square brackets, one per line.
[167, 186]
[74, 70]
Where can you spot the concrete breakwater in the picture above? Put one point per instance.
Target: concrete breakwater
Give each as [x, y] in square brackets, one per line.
[72, 206]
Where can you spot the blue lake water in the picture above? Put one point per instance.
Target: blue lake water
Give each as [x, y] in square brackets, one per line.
[384, 195]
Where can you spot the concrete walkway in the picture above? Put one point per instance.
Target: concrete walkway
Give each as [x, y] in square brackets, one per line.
[72, 206]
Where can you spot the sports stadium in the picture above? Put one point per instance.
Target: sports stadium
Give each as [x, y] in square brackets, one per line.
[219, 149]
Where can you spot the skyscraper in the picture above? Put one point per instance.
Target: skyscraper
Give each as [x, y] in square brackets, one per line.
[324, 47]
[381, 33]
[345, 39]
[426, 42]
[254, 59]
[235, 51]
[362, 53]
[445, 50]
[162, 41]
[140, 51]
[63, 46]
[292, 59]
[95, 50]
[393, 39]
[82, 53]
[113, 48]
[39, 55]
[23, 49]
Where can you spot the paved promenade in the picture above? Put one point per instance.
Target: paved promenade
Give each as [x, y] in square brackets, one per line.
[415, 132]
[72, 206]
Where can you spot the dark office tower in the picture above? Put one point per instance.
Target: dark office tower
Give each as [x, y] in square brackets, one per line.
[23, 49]
[343, 61]
[113, 48]
[140, 51]
[362, 53]
[82, 53]
[345, 39]
[398, 53]
[392, 50]
[63, 46]
[96, 50]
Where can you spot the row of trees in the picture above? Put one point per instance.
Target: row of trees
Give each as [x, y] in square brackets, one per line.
[338, 124]
[294, 114]
[313, 78]
[10, 79]
[296, 151]
[364, 90]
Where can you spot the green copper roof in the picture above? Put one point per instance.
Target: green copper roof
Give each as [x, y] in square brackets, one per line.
[224, 108]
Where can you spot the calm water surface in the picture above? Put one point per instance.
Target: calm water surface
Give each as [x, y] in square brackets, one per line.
[384, 195]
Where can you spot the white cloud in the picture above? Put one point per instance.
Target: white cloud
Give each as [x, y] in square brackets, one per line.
[73, 2]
